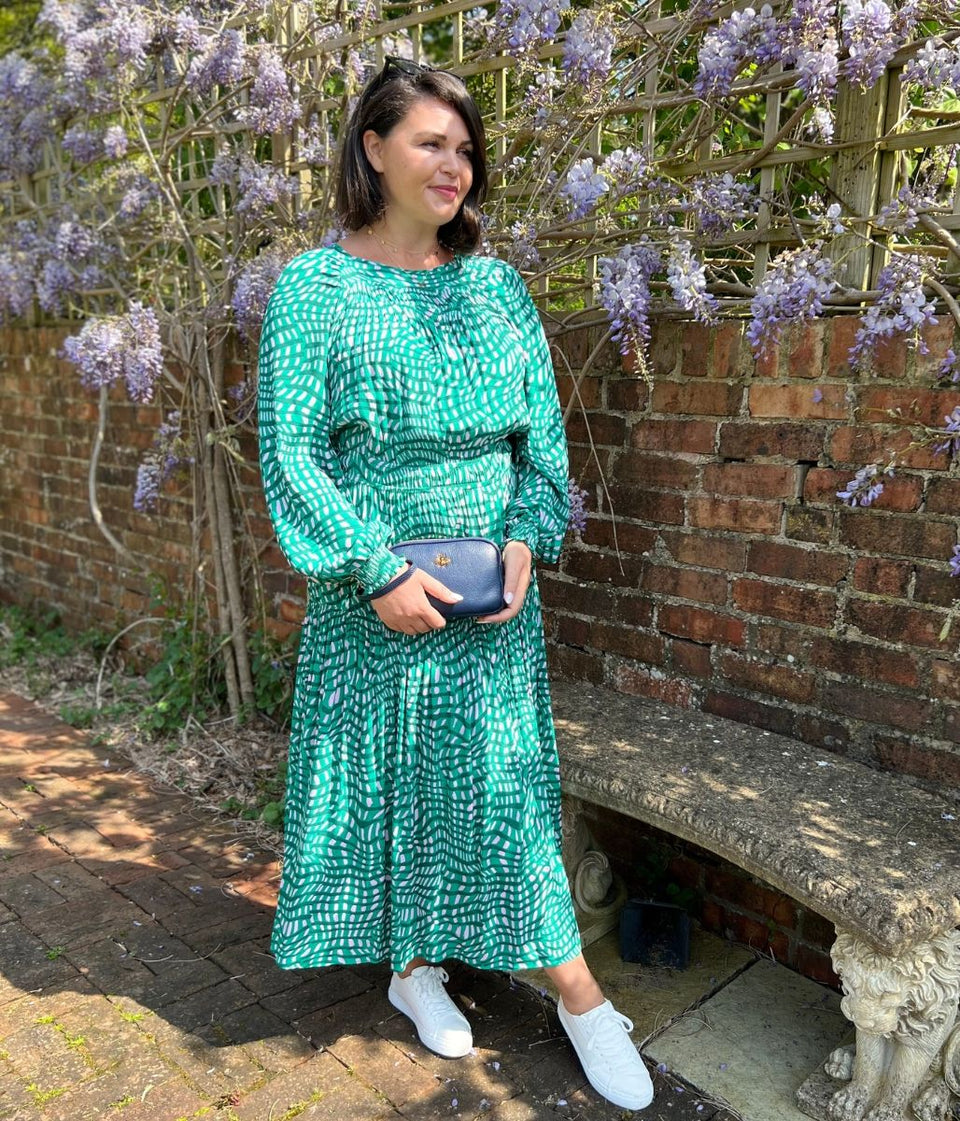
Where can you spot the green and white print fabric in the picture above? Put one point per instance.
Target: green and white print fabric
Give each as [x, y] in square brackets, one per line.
[423, 800]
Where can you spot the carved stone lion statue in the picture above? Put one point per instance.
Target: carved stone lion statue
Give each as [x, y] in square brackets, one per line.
[904, 1008]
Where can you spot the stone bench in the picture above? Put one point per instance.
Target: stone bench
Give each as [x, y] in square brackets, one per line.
[872, 853]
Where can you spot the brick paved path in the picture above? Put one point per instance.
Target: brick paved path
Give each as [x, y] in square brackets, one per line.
[135, 981]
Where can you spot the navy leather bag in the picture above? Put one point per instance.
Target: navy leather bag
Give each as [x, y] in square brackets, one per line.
[471, 566]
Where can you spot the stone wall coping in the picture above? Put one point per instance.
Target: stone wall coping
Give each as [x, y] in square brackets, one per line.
[866, 849]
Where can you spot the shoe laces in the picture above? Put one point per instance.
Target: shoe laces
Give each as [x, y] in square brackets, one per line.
[429, 983]
[609, 1032]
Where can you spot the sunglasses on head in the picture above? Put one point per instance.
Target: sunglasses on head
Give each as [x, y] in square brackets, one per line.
[395, 65]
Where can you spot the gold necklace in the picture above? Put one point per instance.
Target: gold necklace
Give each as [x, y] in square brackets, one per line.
[399, 249]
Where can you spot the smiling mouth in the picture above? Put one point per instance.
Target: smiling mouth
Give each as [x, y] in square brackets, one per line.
[450, 192]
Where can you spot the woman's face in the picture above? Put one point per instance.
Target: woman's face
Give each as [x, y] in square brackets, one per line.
[424, 163]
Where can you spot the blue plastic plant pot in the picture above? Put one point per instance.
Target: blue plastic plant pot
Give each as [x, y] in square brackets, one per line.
[655, 934]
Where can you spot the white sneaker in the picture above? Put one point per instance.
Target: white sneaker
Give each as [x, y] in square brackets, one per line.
[440, 1024]
[611, 1062]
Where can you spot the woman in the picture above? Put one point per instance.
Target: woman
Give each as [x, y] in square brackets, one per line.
[406, 390]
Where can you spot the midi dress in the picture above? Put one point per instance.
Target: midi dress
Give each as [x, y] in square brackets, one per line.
[422, 814]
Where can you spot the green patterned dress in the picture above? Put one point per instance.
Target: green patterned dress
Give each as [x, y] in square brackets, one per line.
[423, 799]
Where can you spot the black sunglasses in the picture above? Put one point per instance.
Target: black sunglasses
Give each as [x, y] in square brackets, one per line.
[392, 63]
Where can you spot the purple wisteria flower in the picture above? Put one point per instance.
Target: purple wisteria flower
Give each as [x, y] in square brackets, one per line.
[169, 452]
[25, 116]
[955, 561]
[588, 47]
[528, 23]
[902, 307]
[253, 288]
[949, 367]
[147, 491]
[867, 34]
[578, 511]
[222, 61]
[865, 487]
[626, 169]
[951, 428]
[123, 346]
[688, 281]
[747, 36]
[139, 191]
[522, 251]
[115, 142]
[716, 202]
[17, 279]
[261, 187]
[583, 188]
[903, 214]
[84, 144]
[625, 293]
[932, 68]
[272, 104]
[793, 288]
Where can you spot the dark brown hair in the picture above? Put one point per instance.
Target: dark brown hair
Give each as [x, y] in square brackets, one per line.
[384, 101]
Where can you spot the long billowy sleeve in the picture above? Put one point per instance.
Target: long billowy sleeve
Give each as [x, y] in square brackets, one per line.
[317, 527]
[539, 510]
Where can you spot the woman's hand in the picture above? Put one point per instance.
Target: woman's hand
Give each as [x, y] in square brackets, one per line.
[407, 608]
[517, 560]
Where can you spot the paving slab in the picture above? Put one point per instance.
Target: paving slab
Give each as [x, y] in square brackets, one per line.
[754, 1043]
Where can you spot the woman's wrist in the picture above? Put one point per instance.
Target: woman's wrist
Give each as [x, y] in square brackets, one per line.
[404, 574]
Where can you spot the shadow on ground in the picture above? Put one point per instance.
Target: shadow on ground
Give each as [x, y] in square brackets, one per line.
[137, 983]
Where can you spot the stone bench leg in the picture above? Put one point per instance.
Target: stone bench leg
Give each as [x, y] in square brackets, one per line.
[906, 1064]
[598, 893]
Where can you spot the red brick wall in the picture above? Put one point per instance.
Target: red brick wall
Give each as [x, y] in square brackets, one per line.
[743, 587]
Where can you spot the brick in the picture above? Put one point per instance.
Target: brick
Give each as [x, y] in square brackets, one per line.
[792, 643]
[700, 625]
[740, 514]
[579, 598]
[653, 684]
[908, 405]
[598, 568]
[736, 887]
[945, 679]
[597, 428]
[804, 524]
[790, 562]
[697, 398]
[634, 467]
[800, 605]
[628, 641]
[897, 535]
[691, 658]
[935, 585]
[882, 577]
[804, 345]
[857, 444]
[685, 583]
[798, 401]
[696, 350]
[769, 678]
[647, 505]
[871, 663]
[816, 965]
[901, 492]
[628, 395]
[943, 497]
[911, 757]
[706, 550]
[857, 700]
[756, 439]
[896, 623]
[772, 717]
[754, 480]
[627, 537]
[696, 437]
[816, 729]
[577, 664]
[843, 331]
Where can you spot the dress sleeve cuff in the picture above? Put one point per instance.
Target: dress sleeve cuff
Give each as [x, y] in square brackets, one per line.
[526, 529]
[379, 568]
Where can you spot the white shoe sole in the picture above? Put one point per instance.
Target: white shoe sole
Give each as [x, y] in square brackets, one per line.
[440, 1044]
